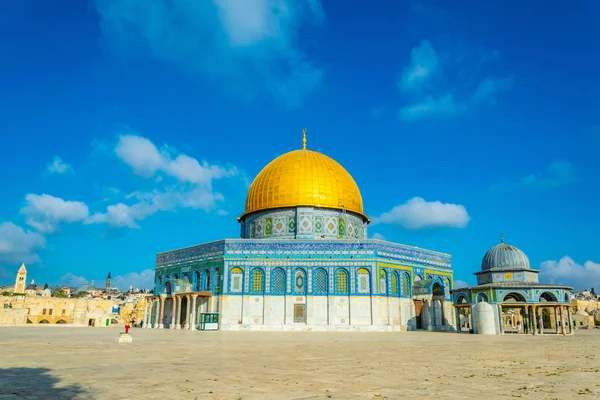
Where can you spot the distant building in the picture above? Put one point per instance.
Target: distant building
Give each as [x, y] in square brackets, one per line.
[108, 282]
[21, 279]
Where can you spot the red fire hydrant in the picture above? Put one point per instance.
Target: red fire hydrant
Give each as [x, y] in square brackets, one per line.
[127, 328]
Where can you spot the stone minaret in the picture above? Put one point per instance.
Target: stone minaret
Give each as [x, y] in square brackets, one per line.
[108, 282]
[20, 282]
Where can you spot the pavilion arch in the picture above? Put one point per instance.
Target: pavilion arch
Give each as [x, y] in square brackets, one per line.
[461, 299]
[567, 298]
[548, 296]
[61, 321]
[437, 290]
[418, 278]
[482, 297]
[514, 297]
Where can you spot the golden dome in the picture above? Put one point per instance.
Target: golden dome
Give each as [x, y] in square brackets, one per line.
[304, 178]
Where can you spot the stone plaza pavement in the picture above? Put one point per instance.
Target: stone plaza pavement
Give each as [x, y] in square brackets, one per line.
[52, 362]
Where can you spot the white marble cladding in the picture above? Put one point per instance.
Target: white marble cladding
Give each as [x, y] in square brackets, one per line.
[329, 313]
[303, 222]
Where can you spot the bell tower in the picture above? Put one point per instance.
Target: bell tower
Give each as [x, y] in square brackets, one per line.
[21, 280]
[108, 282]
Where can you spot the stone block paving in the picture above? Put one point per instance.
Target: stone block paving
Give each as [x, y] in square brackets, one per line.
[49, 362]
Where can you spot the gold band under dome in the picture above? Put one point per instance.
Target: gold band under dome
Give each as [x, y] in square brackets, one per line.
[304, 178]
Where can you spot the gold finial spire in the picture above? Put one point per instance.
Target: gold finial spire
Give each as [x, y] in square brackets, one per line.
[501, 238]
[304, 139]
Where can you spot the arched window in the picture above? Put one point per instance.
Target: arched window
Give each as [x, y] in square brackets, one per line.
[204, 281]
[237, 280]
[383, 281]
[186, 278]
[299, 283]
[482, 297]
[257, 283]
[394, 290]
[364, 284]
[406, 284]
[341, 281]
[320, 282]
[278, 281]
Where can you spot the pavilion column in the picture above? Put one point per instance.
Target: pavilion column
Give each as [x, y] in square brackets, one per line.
[146, 313]
[540, 321]
[193, 317]
[457, 316]
[532, 320]
[556, 320]
[500, 319]
[570, 319]
[173, 312]
[187, 312]
[429, 309]
[562, 320]
[161, 322]
[177, 313]
[441, 313]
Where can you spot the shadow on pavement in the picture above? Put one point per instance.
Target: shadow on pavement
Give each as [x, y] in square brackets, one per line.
[37, 382]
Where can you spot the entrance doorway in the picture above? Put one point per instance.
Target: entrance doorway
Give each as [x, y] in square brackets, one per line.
[418, 313]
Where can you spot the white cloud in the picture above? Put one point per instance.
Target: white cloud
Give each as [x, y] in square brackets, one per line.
[377, 236]
[244, 46]
[559, 173]
[447, 83]
[458, 284]
[45, 212]
[444, 106]
[71, 280]
[146, 160]
[417, 213]
[567, 272]
[143, 280]
[19, 246]
[489, 88]
[423, 63]
[59, 167]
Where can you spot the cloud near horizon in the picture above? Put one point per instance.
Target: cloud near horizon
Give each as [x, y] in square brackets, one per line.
[18, 246]
[252, 46]
[567, 272]
[142, 280]
[559, 173]
[417, 213]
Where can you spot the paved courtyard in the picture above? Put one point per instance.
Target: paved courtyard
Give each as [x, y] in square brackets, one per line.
[53, 362]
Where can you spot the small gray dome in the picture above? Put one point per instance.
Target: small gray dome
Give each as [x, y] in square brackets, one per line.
[504, 257]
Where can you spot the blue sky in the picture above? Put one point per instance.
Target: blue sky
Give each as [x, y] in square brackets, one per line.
[131, 127]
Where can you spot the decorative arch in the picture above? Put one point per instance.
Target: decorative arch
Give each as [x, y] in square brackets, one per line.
[363, 281]
[299, 281]
[60, 321]
[418, 278]
[320, 282]
[394, 284]
[44, 321]
[236, 280]
[204, 279]
[514, 297]
[437, 290]
[482, 297]
[548, 296]
[186, 277]
[168, 288]
[198, 280]
[341, 281]
[257, 281]
[383, 281]
[218, 280]
[278, 281]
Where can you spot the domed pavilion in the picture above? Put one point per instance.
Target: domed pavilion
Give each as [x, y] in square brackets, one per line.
[522, 303]
[303, 262]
